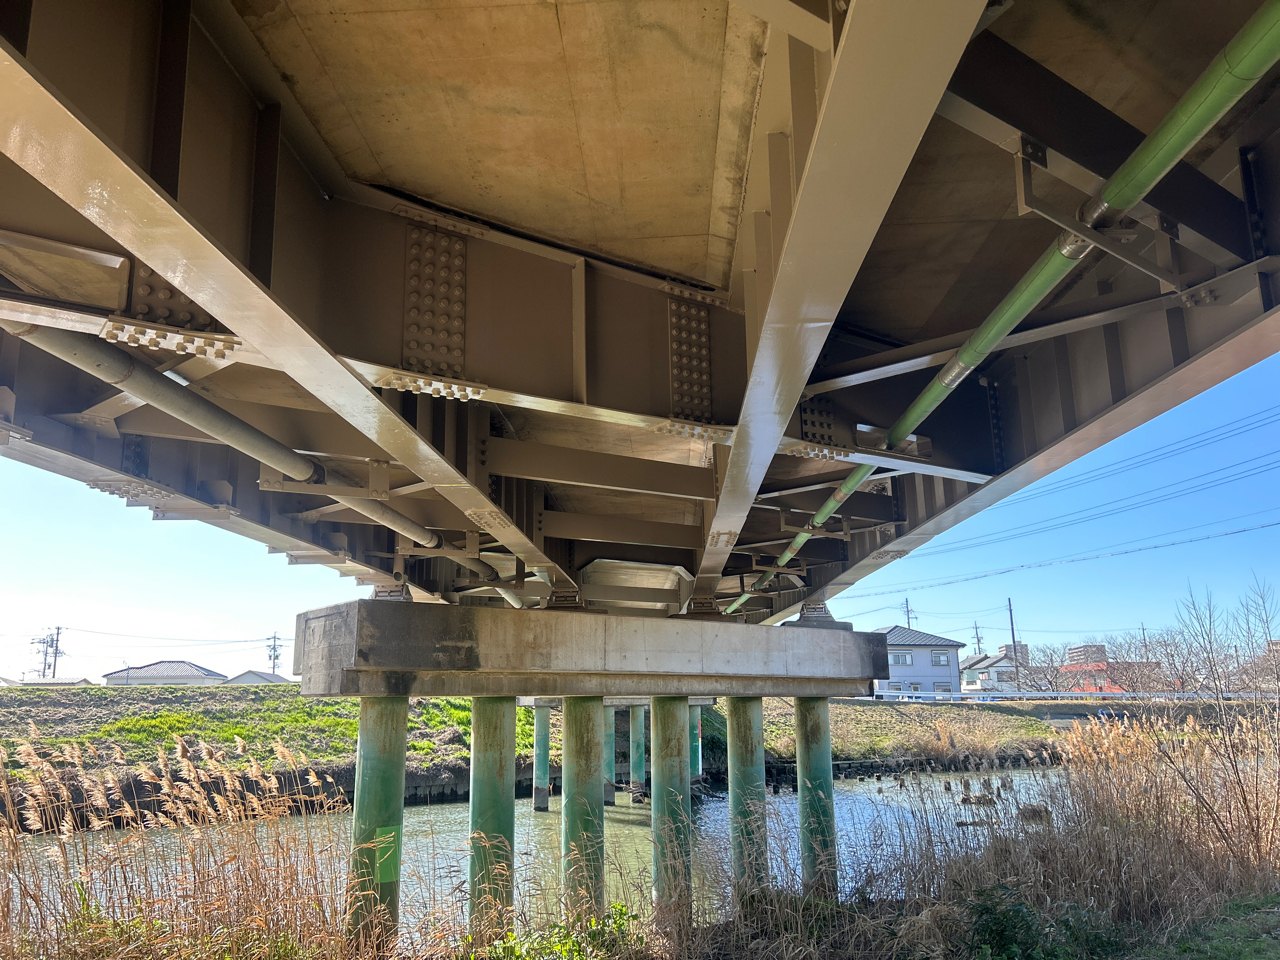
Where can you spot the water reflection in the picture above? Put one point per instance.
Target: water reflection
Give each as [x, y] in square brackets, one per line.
[868, 813]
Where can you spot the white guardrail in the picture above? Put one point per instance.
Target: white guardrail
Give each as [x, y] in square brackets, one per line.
[992, 696]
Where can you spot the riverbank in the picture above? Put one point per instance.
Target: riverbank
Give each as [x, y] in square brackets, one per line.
[121, 726]
[1142, 847]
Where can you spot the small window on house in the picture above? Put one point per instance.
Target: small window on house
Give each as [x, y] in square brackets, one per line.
[915, 688]
[895, 687]
[984, 675]
[899, 659]
[940, 658]
[942, 688]
[1004, 676]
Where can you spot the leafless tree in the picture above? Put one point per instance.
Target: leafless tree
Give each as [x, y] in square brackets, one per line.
[1043, 672]
[1133, 664]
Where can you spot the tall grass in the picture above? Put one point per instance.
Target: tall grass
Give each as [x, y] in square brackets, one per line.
[1149, 826]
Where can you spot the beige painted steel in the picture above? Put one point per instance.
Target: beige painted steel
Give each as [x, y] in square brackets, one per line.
[911, 49]
[372, 647]
[48, 139]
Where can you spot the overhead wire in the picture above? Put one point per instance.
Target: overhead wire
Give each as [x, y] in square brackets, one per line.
[1135, 501]
[933, 583]
[1182, 446]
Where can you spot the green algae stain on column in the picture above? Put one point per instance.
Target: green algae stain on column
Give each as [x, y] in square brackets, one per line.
[672, 811]
[373, 902]
[541, 758]
[582, 812]
[749, 855]
[815, 786]
[493, 815]
[610, 755]
[636, 759]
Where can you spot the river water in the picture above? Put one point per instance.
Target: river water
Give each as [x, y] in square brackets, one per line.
[869, 814]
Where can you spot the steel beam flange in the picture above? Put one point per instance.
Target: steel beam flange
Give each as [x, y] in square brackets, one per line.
[155, 336]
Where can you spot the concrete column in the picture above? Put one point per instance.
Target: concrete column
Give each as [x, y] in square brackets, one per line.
[582, 815]
[672, 814]
[610, 755]
[541, 758]
[815, 788]
[747, 828]
[695, 743]
[373, 907]
[637, 764]
[493, 814]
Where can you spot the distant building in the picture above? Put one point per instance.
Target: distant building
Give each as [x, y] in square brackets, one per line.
[1090, 670]
[920, 662]
[994, 672]
[258, 676]
[6, 682]
[82, 682]
[166, 673]
[1087, 653]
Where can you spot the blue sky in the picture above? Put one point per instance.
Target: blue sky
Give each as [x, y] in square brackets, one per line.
[74, 557]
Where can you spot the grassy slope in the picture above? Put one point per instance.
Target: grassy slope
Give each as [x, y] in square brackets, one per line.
[139, 719]
[1251, 931]
[866, 730]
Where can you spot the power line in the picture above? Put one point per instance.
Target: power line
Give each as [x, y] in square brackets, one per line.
[1182, 446]
[928, 584]
[1093, 512]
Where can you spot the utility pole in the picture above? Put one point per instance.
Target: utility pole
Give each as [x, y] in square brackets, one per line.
[1017, 662]
[57, 650]
[50, 650]
[43, 644]
[977, 637]
[273, 650]
[906, 606]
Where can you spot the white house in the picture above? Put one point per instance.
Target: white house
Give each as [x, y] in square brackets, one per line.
[258, 676]
[994, 672]
[920, 662]
[166, 673]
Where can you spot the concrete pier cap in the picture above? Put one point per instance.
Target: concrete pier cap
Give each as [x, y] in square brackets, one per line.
[372, 648]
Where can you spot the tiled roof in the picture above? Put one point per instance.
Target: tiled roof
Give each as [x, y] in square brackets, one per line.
[166, 669]
[906, 637]
[258, 676]
[984, 661]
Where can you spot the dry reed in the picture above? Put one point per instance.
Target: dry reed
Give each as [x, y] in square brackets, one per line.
[1150, 825]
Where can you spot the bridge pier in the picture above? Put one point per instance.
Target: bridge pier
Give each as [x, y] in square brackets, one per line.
[814, 785]
[541, 758]
[695, 742]
[373, 906]
[610, 755]
[493, 814]
[748, 845]
[672, 813]
[636, 760]
[384, 651]
[582, 809]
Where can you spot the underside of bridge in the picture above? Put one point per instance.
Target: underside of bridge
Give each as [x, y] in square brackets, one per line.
[655, 308]
[594, 304]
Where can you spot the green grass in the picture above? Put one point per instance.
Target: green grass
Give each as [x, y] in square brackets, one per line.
[137, 719]
[1250, 931]
[875, 730]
